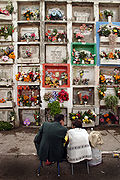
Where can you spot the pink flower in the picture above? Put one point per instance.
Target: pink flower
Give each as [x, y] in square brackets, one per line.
[101, 120]
[33, 35]
[5, 58]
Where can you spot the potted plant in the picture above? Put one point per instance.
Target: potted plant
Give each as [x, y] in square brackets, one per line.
[108, 15]
[54, 108]
[37, 117]
[111, 102]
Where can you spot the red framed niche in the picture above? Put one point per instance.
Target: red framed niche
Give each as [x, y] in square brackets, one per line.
[56, 75]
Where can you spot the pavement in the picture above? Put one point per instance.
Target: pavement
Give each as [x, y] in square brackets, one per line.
[18, 160]
[20, 141]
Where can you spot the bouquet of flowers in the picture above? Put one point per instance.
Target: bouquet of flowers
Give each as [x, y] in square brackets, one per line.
[75, 116]
[110, 55]
[2, 100]
[109, 118]
[63, 96]
[51, 96]
[78, 36]
[12, 116]
[28, 14]
[64, 77]
[6, 30]
[51, 35]
[79, 56]
[108, 13]
[116, 76]
[28, 53]
[102, 79]
[29, 37]
[101, 91]
[104, 31]
[30, 76]
[55, 14]
[85, 98]
[37, 117]
[31, 99]
[26, 122]
[90, 114]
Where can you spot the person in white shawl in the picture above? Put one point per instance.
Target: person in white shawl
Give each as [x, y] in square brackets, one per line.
[78, 148]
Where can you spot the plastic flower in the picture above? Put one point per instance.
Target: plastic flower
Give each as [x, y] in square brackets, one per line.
[27, 122]
[5, 58]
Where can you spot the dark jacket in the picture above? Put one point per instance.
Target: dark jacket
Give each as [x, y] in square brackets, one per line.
[49, 141]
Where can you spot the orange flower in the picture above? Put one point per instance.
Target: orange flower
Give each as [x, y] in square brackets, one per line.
[108, 119]
[105, 115]
[28, 19]
[111, 55]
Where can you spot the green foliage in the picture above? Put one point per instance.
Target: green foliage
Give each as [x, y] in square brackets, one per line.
[10, 7]
[104, 31]
[111, 102]
[5, 126]
[54, 108]
[108, 13]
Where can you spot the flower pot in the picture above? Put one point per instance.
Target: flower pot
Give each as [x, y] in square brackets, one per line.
[85, 102]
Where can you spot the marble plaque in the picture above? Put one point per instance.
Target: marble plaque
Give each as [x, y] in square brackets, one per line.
[6, 72]
[28, 114]
[55, 54]
[4, 115]
[29, 30]
[33, 49]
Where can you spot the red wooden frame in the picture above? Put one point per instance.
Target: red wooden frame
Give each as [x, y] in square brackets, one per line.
[56, 68]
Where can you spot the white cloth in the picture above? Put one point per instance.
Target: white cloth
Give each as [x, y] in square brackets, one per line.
[95, 139]
[96, 157]
[78, 148]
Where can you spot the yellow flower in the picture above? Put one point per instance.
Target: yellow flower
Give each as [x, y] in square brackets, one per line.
[73, 117]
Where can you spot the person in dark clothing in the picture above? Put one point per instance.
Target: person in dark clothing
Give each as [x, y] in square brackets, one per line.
[50, 139]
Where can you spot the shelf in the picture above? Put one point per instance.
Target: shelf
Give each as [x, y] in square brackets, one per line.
[5, 17]
[109, 61]
[54, 21]
[5, 83]
[88, 125]
[28, 83]
[82, 106]
[81, 86]
[8, 104]
[27, 61]
[37, 42]
[34, 21]
[48, 43]
[83, 22]
[32, 107]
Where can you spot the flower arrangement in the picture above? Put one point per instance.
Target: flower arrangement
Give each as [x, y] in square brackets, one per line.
[108, 118]
[56, 96]
[85, 98]
[86, 117]
[30, 76]
[78, 36]
[8, 9]
[82, 57]
[78, 80]
[28, 53]
[6, 31]
[6, 54]
[55, 14]
[54, 35]
[31, 99]
[110, 55]
[104, 30]
[29, 37]
[28, 14]
[37, 117]
[53, 81]
[2, 100]
[63, 96]
[101, 91]
[102, 79]
[12, 116]
[75, 116]
[26, 122]
[108, 13]
[116, 76]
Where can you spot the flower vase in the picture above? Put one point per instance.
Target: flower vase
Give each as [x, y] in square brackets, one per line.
[37, 123]
[33, 104]
[85, 102]
[109, 19]
[79, 40]
[59, 39]
[64, 40]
